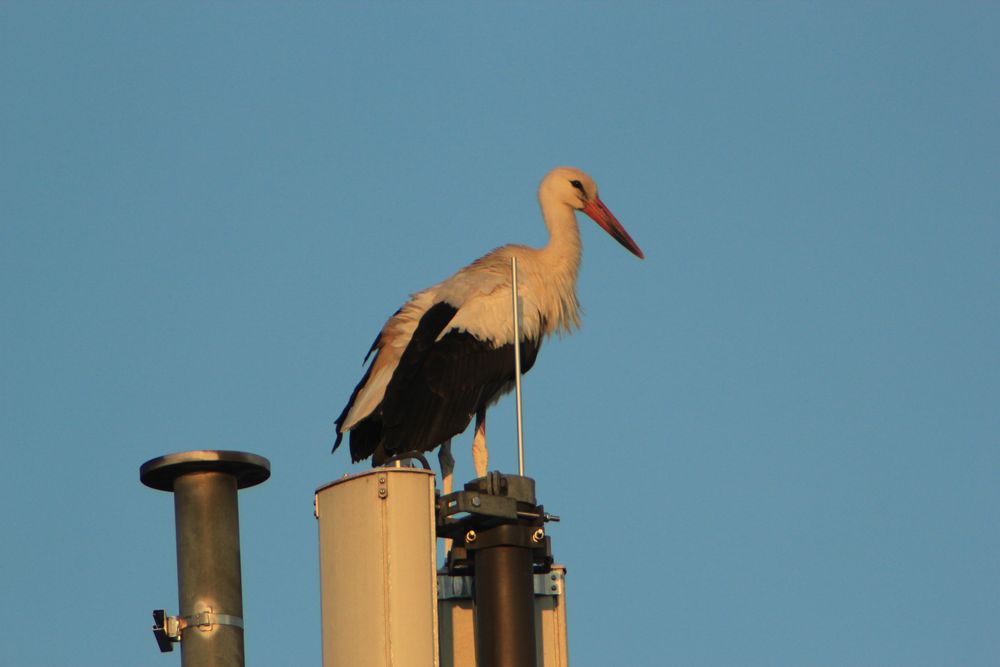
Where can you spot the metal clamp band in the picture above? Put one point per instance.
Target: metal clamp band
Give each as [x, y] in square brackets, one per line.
[209, 618]
[460, 587]
[169, 629]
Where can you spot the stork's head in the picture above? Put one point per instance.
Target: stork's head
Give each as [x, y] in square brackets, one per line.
[573, 188]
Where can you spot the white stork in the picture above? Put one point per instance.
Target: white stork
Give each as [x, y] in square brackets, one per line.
[447, 354]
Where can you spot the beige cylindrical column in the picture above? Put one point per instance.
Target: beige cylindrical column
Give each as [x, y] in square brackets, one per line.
[378, 582]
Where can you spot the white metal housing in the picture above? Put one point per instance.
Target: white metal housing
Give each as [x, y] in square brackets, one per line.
[377, 569]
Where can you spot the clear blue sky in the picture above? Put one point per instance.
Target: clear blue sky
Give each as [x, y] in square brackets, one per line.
[776, 441]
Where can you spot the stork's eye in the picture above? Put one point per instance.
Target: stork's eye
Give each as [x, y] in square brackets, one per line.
[579, 186]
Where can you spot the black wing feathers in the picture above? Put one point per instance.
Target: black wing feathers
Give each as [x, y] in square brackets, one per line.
[436, 389]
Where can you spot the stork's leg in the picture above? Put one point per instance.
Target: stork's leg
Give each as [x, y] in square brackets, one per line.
[447, 462]
[480, 455]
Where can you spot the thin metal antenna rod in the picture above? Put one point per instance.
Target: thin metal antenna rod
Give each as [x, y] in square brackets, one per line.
[517, 364]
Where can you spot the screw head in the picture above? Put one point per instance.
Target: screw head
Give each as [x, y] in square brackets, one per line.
[471, 536]
[538, 536]
[476, 502]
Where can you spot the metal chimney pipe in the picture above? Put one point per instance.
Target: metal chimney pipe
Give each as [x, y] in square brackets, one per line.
[209, 582]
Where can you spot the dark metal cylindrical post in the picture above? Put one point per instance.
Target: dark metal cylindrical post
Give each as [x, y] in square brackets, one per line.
[208, 567]
[504, 599]
[498, 526]
[210, 590]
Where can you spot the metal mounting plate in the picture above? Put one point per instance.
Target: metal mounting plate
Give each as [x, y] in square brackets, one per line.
[249, 469]
[460, 587]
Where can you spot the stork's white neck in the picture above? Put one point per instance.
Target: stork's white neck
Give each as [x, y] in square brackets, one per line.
[561, 258]
[563, 247]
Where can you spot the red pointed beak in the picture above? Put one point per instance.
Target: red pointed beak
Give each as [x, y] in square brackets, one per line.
[596, 209]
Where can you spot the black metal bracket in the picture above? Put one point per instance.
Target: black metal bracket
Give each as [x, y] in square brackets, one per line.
[495, 510]
[166, 630]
